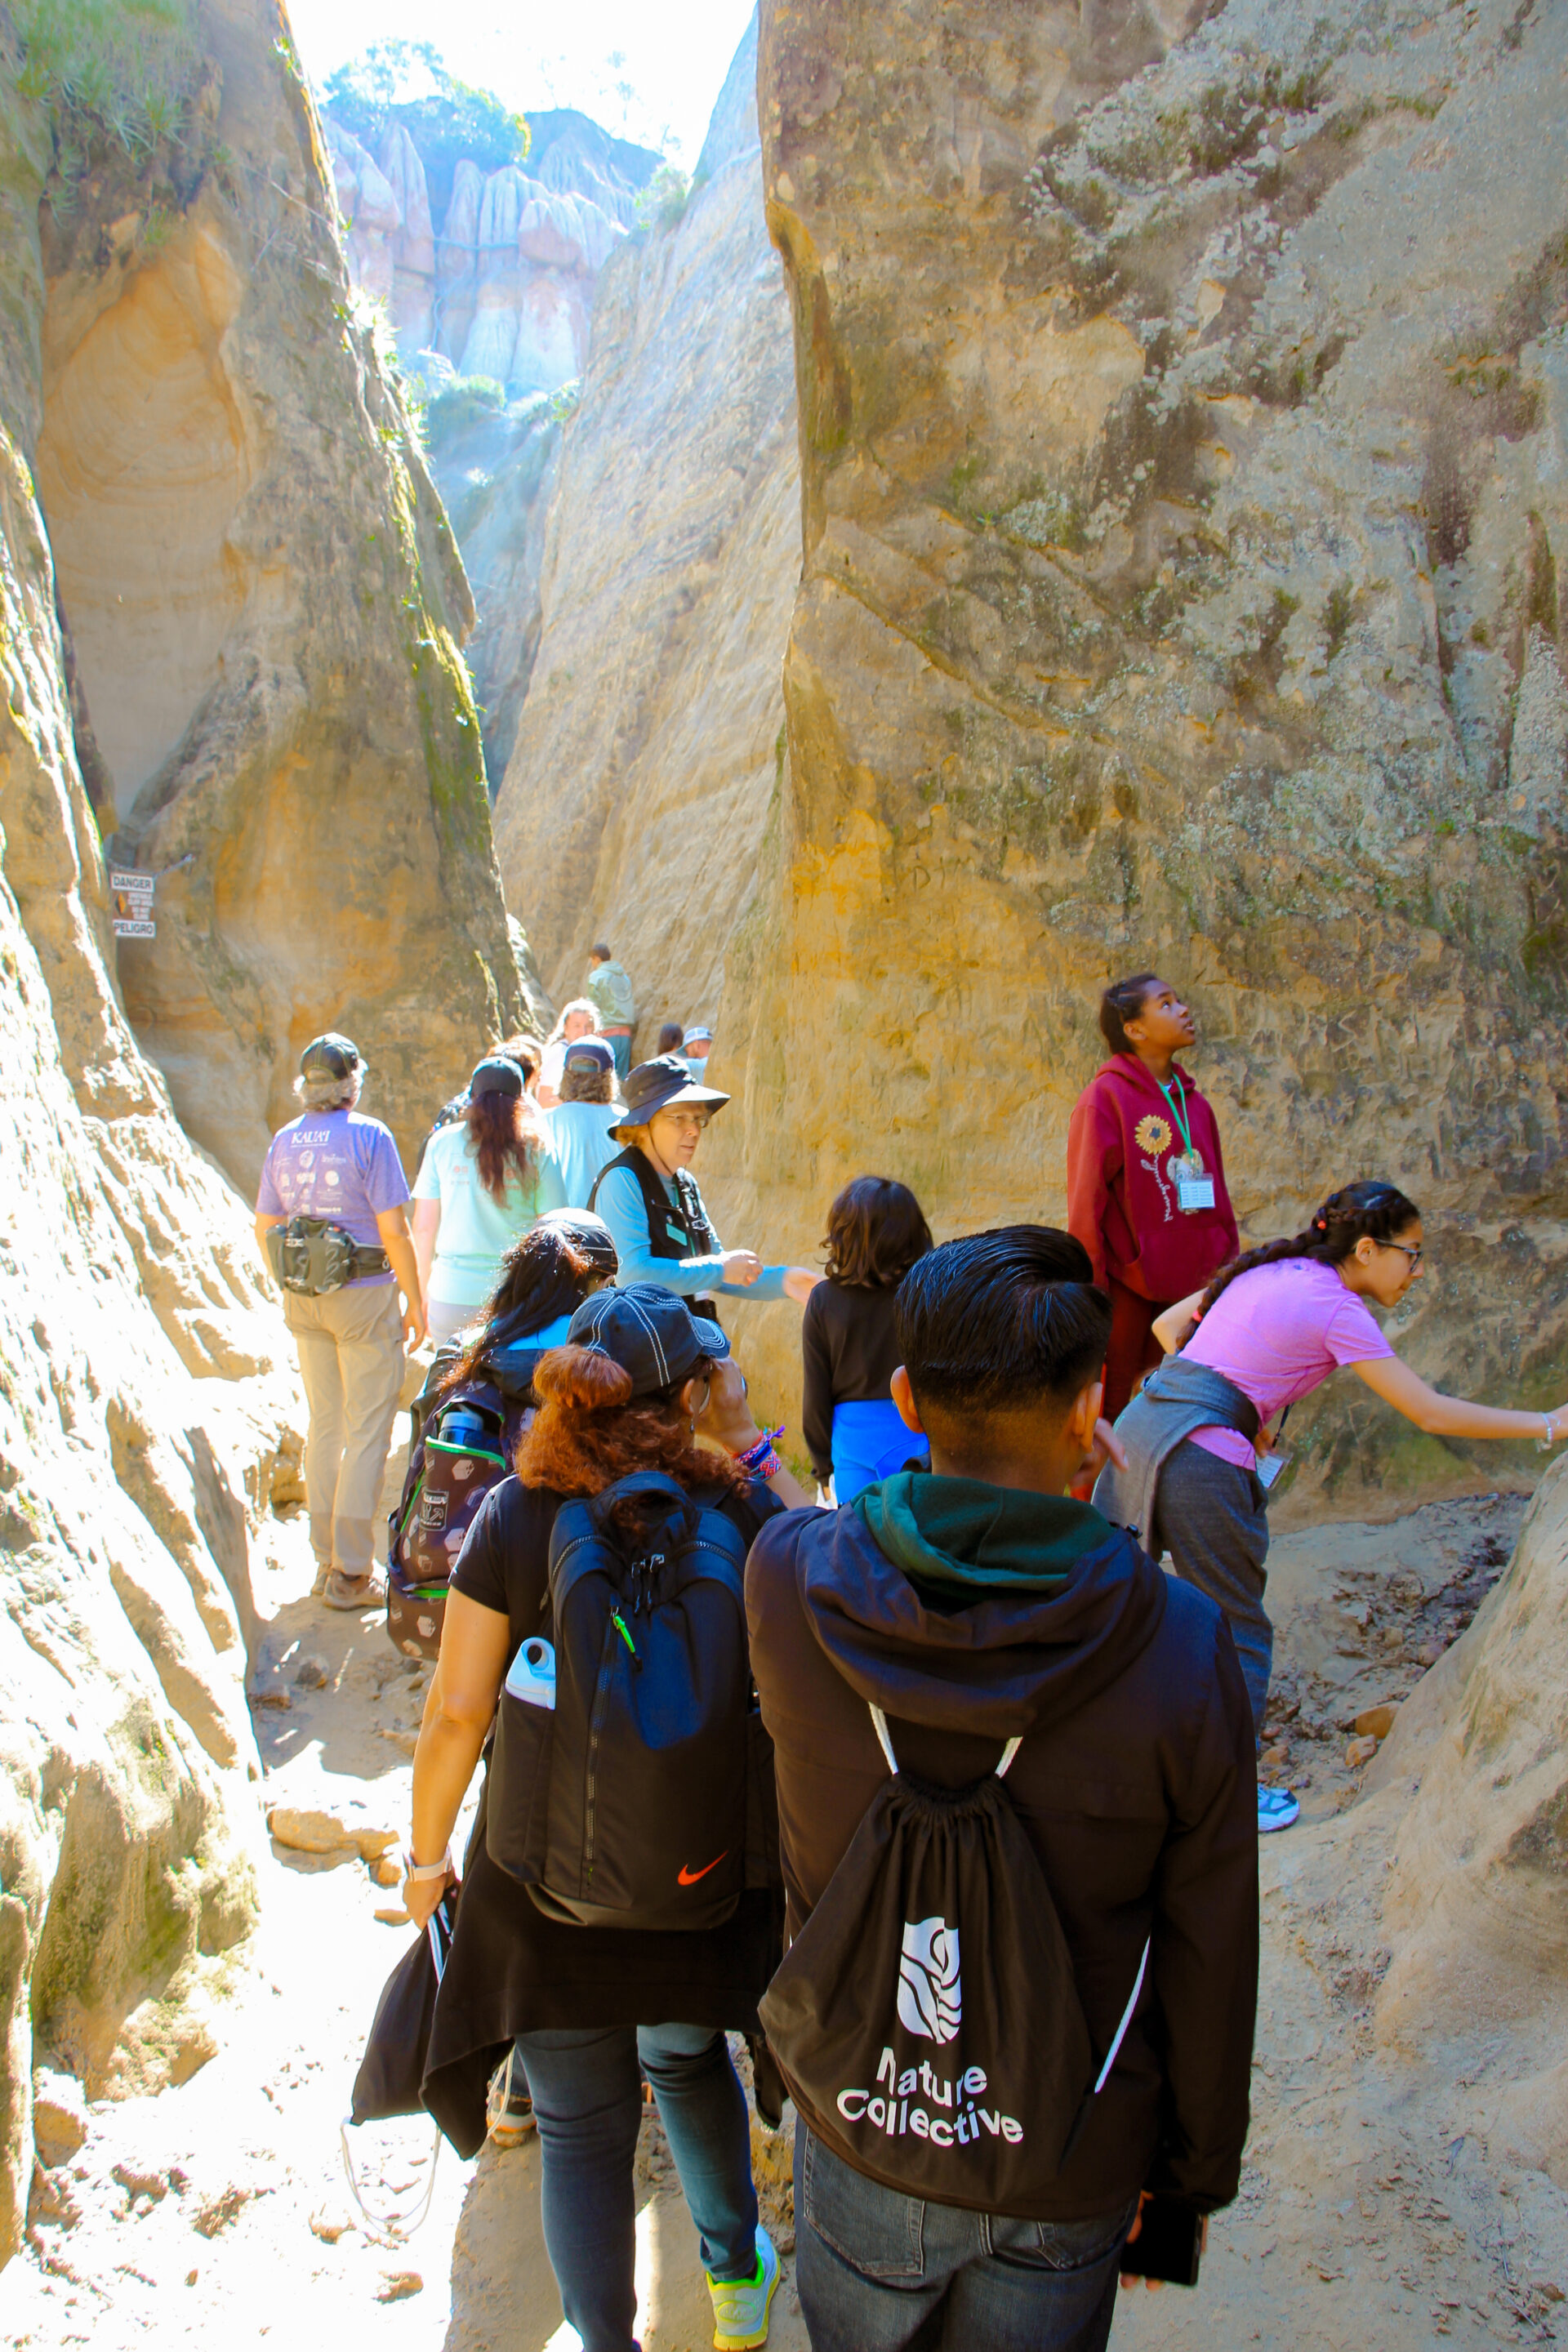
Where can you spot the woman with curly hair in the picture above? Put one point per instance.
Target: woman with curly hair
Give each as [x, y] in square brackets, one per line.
[1272, 1325]
[1146, 1192]
[639, 1378]
[482, 1182]
[876, 1231]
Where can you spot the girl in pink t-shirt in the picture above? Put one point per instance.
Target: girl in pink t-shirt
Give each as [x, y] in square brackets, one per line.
[1277, 1322]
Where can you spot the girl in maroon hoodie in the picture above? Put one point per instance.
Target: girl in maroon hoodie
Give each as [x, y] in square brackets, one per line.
[1146, 1192]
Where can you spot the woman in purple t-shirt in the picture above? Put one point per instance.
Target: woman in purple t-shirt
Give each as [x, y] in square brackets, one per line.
[1276, 1322]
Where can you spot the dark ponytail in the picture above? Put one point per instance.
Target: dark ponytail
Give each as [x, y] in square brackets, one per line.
[1370, 1209]
[1123, 1002]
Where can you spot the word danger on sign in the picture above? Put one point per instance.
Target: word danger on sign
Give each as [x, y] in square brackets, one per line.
[132, 912]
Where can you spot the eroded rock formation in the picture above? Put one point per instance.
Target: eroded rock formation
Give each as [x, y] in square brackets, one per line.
[144, 1416]
[1183, 400]
[265, 605]
[649, 750]
[505, 290]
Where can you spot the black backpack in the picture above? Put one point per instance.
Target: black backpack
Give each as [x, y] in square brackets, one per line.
[631, 1783]
[925, 2020]
[462, 1442]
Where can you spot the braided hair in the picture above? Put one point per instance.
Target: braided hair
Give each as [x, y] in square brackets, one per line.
[1123, 1002]
[1370, 1209]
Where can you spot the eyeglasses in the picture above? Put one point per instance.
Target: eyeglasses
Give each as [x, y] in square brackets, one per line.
[1416, 1256]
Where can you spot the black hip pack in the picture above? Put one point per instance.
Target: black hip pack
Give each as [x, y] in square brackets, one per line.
[631, 1782]
[311, 1255]
[926, 2019]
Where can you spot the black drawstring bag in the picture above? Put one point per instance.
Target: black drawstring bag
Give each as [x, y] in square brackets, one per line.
[393, 2068]
[926, 2019]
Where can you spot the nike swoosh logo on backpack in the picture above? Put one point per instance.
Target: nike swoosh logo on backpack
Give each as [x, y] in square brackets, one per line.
[690, 1877]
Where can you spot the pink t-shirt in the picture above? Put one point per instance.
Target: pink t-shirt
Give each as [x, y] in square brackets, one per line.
[1279, 1332]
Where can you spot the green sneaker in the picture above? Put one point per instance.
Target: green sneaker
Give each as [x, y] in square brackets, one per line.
[740, 2306]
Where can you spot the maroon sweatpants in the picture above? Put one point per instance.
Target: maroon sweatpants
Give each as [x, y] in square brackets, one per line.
[1132, 1348]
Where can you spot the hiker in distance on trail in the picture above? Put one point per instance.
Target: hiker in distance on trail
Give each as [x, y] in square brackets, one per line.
[332, 1218]
[651, 1201]
[1017, 2010]
[1271, 1326]
[1146, 1192]
[619, 1913]
[609, 986]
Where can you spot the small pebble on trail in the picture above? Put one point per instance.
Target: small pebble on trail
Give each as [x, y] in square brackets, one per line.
[396, 2284]
[393, 1919]
[1360, 1752]
[312, 1674]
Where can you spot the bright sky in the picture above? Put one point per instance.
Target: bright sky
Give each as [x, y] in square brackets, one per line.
[646, 72]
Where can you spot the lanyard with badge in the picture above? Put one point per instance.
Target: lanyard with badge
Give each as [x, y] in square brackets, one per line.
[1195, 1189]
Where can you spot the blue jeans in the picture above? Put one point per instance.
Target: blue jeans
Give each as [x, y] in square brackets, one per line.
[621, 1047]
[876, 2271]
[870, 1441]
[587, 2098]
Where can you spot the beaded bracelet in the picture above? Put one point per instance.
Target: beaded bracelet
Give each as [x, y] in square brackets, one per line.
[760, 1459]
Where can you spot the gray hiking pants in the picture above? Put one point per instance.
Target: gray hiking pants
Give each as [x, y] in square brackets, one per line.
[1209, 1516]
[349, 1344]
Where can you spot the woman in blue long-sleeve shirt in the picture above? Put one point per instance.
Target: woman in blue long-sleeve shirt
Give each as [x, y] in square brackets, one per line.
[651, 1204]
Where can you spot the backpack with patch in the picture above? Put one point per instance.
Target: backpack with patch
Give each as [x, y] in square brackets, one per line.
[926, 2019]
[631, 1782]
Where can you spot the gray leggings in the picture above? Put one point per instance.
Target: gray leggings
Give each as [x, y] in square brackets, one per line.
[1209, 1516]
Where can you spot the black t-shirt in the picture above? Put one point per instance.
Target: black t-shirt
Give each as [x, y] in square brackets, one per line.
[512, 1970]
[850, 1353]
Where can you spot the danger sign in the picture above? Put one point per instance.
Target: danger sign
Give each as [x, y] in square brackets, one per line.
[132, 908]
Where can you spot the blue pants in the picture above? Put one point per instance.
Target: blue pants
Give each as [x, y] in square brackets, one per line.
[621, 1047]
[876, 2271]
[869, 1442]
[587, 2098]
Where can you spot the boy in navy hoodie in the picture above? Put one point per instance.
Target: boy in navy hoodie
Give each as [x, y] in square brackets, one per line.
[973, 1604]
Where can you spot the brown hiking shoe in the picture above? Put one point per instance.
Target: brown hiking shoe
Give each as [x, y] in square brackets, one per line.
[366, 1591]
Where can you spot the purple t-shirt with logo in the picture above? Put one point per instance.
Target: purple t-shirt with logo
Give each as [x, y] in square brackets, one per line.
[335, 1164]
[1279, 1332]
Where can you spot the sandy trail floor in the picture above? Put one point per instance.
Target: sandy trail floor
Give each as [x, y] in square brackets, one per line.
[1371, 2215]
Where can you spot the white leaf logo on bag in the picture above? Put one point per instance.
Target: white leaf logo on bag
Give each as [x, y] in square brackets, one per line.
[930, 1998]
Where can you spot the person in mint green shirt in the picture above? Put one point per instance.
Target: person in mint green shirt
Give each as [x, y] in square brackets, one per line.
[483, 1183]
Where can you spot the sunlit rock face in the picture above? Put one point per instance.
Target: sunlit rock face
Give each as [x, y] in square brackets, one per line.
[506, 291]
[648, 752]
[1184, 406]
[148, 1413]
[265, 605]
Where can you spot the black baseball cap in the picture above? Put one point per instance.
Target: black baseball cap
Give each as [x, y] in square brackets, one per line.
[650, 1332]
[588, 1052]
[329, 1056]
[495, 1076]
[657, 1085]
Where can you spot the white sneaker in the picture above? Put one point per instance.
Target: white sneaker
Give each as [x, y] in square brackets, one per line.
[740, 2306]
[1277, 1809]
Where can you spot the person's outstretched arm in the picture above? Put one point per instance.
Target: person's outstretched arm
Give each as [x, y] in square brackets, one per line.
[1174, 1326]
[1392, 1378]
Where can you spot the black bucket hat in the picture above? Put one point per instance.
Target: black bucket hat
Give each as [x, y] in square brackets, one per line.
[650, 1332]
[329, 1056]
[657, 1085]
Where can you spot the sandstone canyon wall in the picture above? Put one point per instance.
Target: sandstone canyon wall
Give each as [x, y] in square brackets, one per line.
[648, 754]
[145, 1418]
[265, 606]
[1183, 411]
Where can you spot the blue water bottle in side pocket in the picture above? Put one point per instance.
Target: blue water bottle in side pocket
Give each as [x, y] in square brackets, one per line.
[531, 1675]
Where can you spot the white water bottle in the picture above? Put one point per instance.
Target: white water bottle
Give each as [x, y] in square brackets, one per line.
[531, 1675]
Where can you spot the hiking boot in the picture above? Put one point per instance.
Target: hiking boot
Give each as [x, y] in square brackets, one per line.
[1277, 1809]
[509, 2110]
[740, 2306]
[366, 1591]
